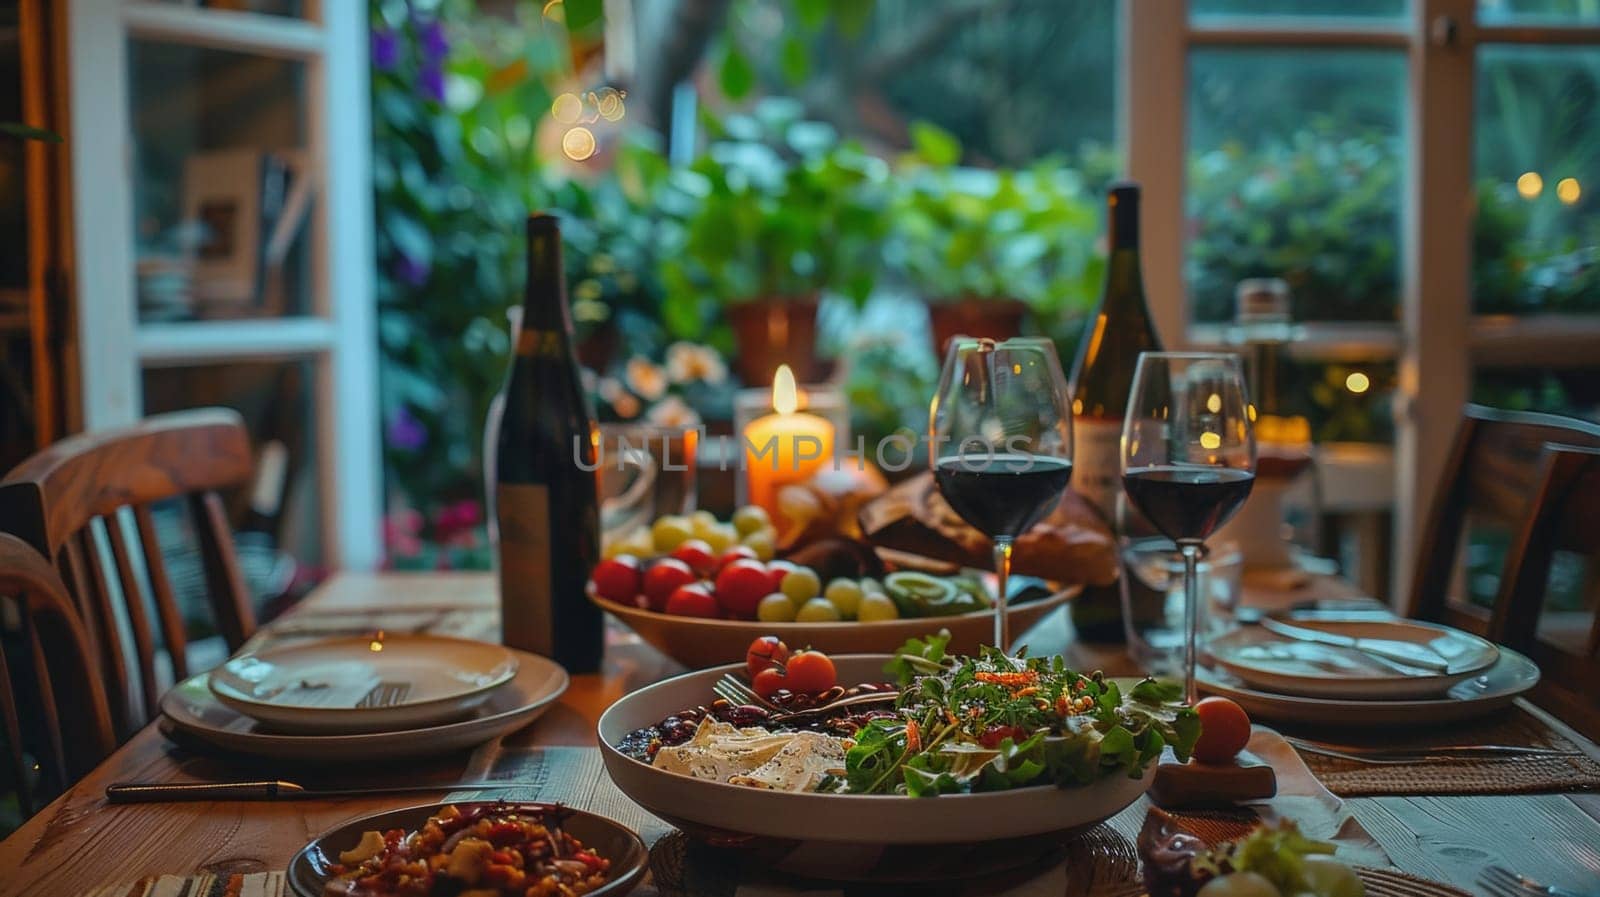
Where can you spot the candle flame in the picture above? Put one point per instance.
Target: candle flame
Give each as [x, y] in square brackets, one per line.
[785, 398]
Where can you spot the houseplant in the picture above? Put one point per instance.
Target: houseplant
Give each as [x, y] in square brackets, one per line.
[766, 226]
[985, 247]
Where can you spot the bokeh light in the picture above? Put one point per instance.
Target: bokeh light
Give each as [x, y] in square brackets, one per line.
[1530, 184]
[1568, 191]
[566, 108]
[1357, 382]
[578, 144]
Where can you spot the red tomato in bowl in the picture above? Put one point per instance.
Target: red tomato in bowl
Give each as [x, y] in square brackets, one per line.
[767, 682]
[617, 579]
[697, 554]
[740, 587]
[765, 653]
[693, 600]
[1224, 731]
[809, 672]
[736, 553]
[663, 578]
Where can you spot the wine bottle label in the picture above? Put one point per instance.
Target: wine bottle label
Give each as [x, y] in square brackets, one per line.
[1097, 462]
[526, 590]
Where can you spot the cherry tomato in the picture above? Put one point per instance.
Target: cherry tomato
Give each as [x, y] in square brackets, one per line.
[736, 553]
[809, 672]
[697, 554]
[693, 600]
[767, 682]
[1224, 730]
[776, 571]
[765, 652]
[740, 587]
[663, 578]
[617, 579]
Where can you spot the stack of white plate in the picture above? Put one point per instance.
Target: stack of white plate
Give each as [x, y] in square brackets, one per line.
[354, 698]
[1319, 668]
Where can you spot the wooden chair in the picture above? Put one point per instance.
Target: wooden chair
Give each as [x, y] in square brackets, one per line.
[1492, 478]
[64, 696]
[77, 495]
[1564, 643]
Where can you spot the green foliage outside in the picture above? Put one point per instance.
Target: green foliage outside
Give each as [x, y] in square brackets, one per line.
[794, 195]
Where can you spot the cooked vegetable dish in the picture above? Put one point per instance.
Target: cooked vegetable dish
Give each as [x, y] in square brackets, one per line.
[495, 850]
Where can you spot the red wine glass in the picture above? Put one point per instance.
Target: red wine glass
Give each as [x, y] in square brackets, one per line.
[1000, 443]
[1188, 459]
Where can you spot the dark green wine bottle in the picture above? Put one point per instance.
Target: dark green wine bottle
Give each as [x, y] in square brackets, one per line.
[547, 500]
[1102, 376]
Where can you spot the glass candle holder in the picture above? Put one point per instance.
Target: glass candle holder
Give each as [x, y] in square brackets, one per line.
[754, 408]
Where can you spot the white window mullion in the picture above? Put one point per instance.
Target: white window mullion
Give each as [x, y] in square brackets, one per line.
[349, 446]
[102, 214]
[1153, 107]
[1436, 303]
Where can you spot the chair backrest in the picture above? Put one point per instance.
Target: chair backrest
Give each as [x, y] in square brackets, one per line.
[1555, 619]
[61, 697]
[88, 491]
[1488, 488]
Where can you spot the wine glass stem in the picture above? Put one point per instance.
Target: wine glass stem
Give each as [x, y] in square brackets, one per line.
[1191, 617]
[1002, 569]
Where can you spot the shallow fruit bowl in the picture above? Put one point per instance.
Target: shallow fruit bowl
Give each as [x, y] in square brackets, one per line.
[845, 822]
[697, 642]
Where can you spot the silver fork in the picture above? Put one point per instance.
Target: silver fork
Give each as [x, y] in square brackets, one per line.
[384, 694]
[730, 689]
[1502, 882]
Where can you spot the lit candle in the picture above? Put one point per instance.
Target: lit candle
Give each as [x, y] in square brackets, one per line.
[786, 446]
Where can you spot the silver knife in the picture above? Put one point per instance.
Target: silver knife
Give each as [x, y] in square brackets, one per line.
[1408, 653]
[157, 792]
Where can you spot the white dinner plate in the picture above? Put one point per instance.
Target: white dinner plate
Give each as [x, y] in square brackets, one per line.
[1486, 692]
[363, 684]
[838, 824]
[1271, 662]
[192, 710]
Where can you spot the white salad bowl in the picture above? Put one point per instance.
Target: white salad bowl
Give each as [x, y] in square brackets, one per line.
[831, 822]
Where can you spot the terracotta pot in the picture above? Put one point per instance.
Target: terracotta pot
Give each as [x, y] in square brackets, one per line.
[774, 331]
[970, 316]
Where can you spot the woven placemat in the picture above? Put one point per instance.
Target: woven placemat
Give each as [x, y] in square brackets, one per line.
[1508, 775]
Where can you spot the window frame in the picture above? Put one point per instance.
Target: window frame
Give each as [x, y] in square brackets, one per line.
[337, 332]
[1437, 341]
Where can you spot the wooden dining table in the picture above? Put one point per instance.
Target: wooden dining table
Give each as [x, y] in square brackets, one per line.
[81, 842]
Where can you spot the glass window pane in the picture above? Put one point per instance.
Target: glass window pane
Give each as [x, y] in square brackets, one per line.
[1537, 239]
[294, 8]
[1202, 9]
[1551, 12]
[1295, 167]
[222, 200]
[278, 518]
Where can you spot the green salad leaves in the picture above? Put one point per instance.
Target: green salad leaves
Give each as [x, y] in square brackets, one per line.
[995, 722]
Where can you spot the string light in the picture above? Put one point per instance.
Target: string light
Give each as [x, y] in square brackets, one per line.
[1530, 184]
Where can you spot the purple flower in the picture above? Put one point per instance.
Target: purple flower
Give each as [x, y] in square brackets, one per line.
[385, 49]
[405, 432]
[435, 43]
[430, 82]
[412, 272]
